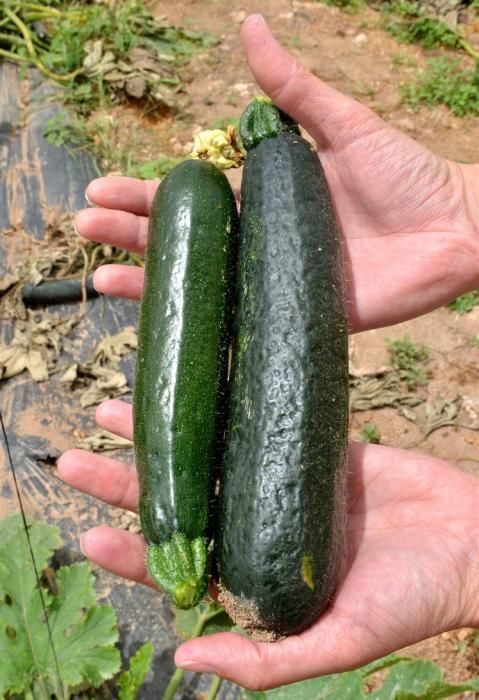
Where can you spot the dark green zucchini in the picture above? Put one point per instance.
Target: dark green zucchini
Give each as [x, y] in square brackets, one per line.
[282, 490]
[181, 371]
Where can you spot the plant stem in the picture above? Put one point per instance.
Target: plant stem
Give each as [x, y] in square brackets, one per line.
[174, 683]
[214, 687]
[468, 49]
[177, 677]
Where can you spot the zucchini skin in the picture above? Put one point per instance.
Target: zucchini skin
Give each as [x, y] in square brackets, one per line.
[282, 492]
[183, 336]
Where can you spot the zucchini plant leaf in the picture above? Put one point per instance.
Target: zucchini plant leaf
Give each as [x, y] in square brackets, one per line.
[419, 680]
[347, 686]
[213, 617]
[408, 679]
[130, 681]
[83, 633]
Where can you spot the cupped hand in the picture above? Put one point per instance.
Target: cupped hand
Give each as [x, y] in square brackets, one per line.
[412, 566]
[409, 219]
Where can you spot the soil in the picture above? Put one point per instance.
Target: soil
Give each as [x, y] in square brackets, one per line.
[354, 55]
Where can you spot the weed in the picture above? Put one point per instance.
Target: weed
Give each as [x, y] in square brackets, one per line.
[98, 52]
[296, 42]
[361, 87]
[346, 5]
[72, 133]
[444, 82]
[408, 359]
[465, 303]
[426, 31]
[224, 122]
[153, 169]
[401, 58]
[403, 8]
[370, 433]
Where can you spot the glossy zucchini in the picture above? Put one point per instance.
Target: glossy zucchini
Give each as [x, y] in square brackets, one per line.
[282, 493]
[181, 371]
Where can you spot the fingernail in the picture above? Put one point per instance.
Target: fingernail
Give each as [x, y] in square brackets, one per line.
[196, 666]
[259, 18]
[81, 545]
[75, 227]
[88, 200]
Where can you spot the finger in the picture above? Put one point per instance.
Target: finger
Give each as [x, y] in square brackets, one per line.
[323, 111]
[118, 551]
[263, 665]
[109, 480]
[126, 193]
[124, 281]
[118, 228]
[116, 416]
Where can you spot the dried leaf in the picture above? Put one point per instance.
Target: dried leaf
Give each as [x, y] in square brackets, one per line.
[435, 414]
[37, 342]
[109, 384]
[379, 390]
[8, 280]
[70, 374]
[103, 441]
[101, 375]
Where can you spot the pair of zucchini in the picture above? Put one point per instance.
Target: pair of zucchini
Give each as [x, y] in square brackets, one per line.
[280, 457]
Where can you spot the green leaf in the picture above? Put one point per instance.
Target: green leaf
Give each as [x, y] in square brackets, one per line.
[347, 686]
[130, 681]
[209, 616]
[419, 680]
[381, 664]
[83, 634]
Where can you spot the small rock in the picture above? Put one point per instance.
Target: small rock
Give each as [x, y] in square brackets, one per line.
[405, 124]
[463, 633]
[238, 16]
[286, 15]
[243, 89]
[360, 39]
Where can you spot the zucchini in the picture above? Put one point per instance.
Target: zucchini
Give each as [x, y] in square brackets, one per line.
[282, 488]
[181, 371]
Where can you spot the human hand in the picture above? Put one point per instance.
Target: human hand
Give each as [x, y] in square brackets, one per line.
[409, 219]
[412, 566]
[408, 222]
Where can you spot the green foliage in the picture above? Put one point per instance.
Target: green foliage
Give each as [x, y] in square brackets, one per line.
[100, 138]
[407, 679]
[153, 169]
[444, 82]
[370, 433]
[403, 8]
[129, 681]
[426, 31]
[206, 618]
[347, 5]
[408, 359]
[83, 633]
[90, 48]
[70, 133]
[224, 122]
[465, 303]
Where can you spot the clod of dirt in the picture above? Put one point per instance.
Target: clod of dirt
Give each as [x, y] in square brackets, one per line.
[244, 613]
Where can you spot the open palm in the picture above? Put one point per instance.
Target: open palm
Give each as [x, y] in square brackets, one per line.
[412, 566]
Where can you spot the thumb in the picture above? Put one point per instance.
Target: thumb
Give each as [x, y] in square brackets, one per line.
[329, 116]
